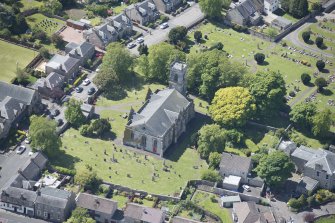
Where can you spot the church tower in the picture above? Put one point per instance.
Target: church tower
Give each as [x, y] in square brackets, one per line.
[178, 77]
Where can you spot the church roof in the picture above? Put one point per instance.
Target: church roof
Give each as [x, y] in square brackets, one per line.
[160, 112]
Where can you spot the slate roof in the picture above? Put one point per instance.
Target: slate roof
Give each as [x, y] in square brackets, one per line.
[106, 31]
[30, 170]
[144, 7]
[247, 8]
[231, 161]
[248, 212]
[52, 81]
[271, 1]
[160, 112]
[308, 183]
[120, 21]
[82, 49]
[39, 159]
[93, 202]
[18, 193]
[60, 62]
[53, 197]
[142, 213]
[22, 94]
[10, 108]
[313, 157]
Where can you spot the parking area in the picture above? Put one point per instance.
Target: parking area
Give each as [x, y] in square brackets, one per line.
[188, 18]
[70, 34]
[83, 94]
[253, 191]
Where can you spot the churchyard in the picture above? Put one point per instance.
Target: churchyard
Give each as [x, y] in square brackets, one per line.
[13, 57]
[47, 24]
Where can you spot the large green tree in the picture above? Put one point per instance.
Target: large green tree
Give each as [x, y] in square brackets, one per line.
[80, 215]
[211, 8]
[101, 126]
[214, 160]
[211, 175]
[74, 114]
[321, 123]
[156, 66]
[302, 115]
[177, 34]
[275, 168]
[268, 89]
[87, 178]
[43, 135]
[298, 8]
[232, 106]
[211, 139]
[52, 7]
[211, 70]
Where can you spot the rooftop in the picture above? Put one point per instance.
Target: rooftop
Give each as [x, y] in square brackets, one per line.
[93, 202]
[142, 213]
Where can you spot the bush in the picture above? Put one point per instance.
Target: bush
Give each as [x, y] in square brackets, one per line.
[211, 175]
[306, 36]
[64, 171]
[319, 42]
[320, 83]
[79, 79]
[320, 65]
[259, 57]
[305, 78]
[197, 35]
[292, 94]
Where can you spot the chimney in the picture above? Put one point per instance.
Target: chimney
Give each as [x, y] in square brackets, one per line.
[21, 196]
[38, 192]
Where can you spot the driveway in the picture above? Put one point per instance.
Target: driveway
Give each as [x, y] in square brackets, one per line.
[83, 96]
[294, 38]
[9, 217]
[188, 18]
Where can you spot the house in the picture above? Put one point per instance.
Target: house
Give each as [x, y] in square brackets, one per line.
[245, 12]
[142, 13]
[231, 182]
[63, 65]
[50, 86]
[178, 219]
[16, 102]
[250, 212]
[287, 147]
[167, 5]
[228, 201]
[306, 185]
[20, 195]
[112, 30]
[281, 23]
[163, 118]
[101, 209]
[83, 51]
[138, 213]
[318, 164]
[235, 165]
[271, 5]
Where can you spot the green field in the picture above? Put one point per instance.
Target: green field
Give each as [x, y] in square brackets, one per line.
[11, 57]
[203, 199]
[29, 4]
[48, 25]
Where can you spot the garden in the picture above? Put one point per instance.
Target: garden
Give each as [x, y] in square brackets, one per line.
[13, 57]
[48, 25]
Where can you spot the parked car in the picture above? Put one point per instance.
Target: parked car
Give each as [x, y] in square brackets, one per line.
[21, 149]
[246, 188]
[86, 82]
[91, 91]
[131, 45]
[164, 25]
[140, 40]
[54, 113]
[78, 89]
[27, 140]
[59, 122]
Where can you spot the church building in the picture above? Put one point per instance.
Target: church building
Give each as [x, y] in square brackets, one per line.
[163, 117]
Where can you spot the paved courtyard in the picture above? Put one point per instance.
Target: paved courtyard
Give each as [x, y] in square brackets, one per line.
[72, 35]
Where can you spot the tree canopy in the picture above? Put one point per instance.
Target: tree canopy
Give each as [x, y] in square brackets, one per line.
[156, 66]
[80, 215]
[275, 168]
[232, 106]
[214, 160]
[268, 90]
[74, 114]
[43, 135]
[87, 178]
[298, 8]
[177, 34]
[211, 8]
[52, 7]
[211, 139]
[302, 115]
[211, 70]
[211, 175]
[321, 123]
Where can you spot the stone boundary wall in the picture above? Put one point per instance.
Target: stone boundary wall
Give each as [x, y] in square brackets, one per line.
[270, 128]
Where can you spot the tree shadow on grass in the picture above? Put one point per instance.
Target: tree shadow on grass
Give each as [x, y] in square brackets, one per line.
[325, 71]
[265, 63]
[310, 42]
[176, 150]
[63, 159]
[109, 136]
[309, 84]
[326, 92]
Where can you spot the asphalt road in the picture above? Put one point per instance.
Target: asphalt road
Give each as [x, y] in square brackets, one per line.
[188, 18]
[9, 217]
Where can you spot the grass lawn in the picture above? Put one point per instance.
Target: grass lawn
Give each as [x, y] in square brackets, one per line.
[11, 57]
[76, 14]
[121, 200]
[29, 4]
[204, 200]
[49, 25]
[242, 47]
[330, 219]
[96, 21]
[307, 140]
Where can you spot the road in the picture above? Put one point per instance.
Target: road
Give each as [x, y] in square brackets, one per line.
[9, 217]
[294, 38]
[188, 18]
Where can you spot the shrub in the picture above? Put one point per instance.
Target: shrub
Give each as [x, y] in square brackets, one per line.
[259, 57]
[305, 78]
[197, 35]
[64, 171]
[306, 36]
[292, 94]
[320, 83]
[319, 42]
[320, 65]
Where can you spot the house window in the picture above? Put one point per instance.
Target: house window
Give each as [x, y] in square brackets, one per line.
[327, 177]
[132, 136]
[45, 214]
[144, 141]
[154, 147]
[39, 213]
[317, 173]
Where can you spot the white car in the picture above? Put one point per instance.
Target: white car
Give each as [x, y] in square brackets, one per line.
[131, 45]
[164, 25]
[140, 40]
[246, 188]
[20, 150]
[86, 82]
[27, 140]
